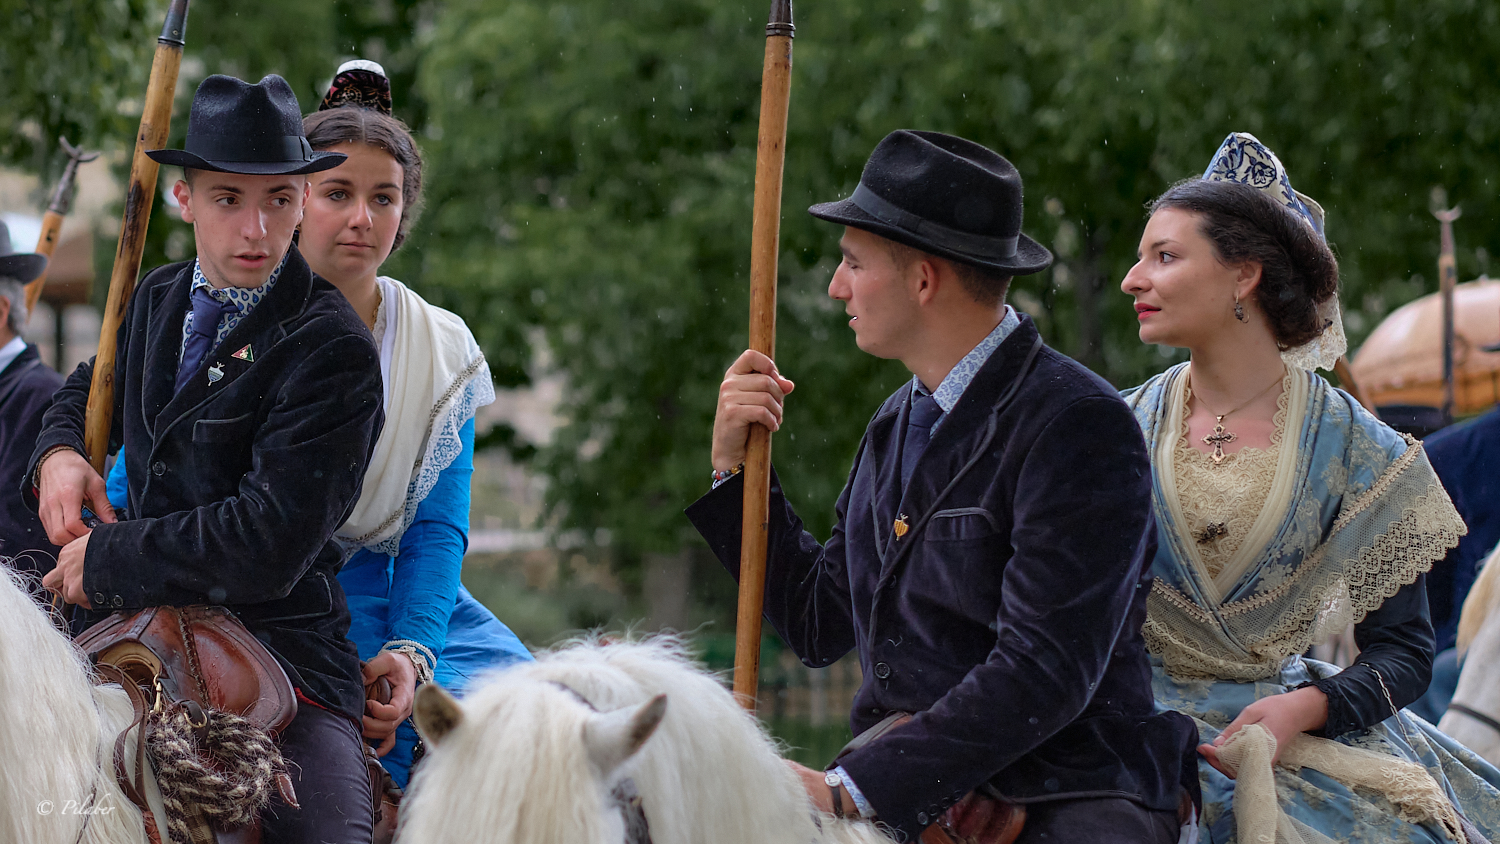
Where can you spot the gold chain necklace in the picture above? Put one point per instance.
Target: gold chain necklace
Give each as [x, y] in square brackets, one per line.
[1220, 437]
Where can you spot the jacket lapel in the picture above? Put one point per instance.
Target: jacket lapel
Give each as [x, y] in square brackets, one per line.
[260, 329]
[961, 439]
[168, 305]
[885, 457]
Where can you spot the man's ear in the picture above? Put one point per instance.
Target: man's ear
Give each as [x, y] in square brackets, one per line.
[927, 278]
[184, 196]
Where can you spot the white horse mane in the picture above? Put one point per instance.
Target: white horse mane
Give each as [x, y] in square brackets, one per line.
[57, 733]
[1479, 682]
[514, 769]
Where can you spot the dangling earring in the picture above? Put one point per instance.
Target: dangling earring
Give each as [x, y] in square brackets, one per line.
[1239, 311]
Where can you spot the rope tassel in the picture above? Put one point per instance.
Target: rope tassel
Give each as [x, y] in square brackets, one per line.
[214, 769]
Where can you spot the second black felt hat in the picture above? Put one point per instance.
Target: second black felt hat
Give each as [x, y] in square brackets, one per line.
[255, 130]
[943, 195]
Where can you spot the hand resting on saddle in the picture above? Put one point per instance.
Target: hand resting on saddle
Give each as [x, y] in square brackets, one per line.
[382, 719]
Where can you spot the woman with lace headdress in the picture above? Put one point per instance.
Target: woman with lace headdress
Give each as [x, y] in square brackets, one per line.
[1285, 512]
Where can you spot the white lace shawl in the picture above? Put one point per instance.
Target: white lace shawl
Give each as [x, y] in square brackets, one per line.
[436, 379]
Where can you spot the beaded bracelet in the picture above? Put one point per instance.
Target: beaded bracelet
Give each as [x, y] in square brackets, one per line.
[722, 475]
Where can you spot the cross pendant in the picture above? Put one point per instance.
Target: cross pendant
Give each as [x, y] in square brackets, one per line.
[1217, 439]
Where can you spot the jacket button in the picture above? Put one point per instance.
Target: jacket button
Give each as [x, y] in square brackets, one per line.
[922, 818]
[882, 670]
[99, 598]
[117, 602]
[158, 468]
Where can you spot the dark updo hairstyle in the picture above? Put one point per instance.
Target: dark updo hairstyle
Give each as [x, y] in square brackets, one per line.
[354, 124]
[1298, 270]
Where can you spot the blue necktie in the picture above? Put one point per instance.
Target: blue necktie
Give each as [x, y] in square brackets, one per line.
[925, 412]
[207, 311]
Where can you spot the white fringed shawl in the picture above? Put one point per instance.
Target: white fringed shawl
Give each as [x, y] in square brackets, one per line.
[436, 379]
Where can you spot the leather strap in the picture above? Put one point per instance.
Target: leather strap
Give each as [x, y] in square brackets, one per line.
[1476, 715]
[134, 787]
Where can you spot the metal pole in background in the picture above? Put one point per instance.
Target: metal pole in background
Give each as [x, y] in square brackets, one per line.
[62, 200]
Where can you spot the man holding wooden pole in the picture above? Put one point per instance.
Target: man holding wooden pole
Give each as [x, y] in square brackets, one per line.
[990, 559]
[248, 396]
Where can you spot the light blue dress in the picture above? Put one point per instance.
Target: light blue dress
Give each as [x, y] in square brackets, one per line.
[1359, 517]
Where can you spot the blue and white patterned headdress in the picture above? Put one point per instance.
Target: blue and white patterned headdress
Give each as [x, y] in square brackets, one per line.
[1243, 159]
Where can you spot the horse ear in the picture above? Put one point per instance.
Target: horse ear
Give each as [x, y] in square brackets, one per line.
[613, 737]
[436, 713]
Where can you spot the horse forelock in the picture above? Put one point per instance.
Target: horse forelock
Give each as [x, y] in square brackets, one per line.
[708, 773]
[514, 769]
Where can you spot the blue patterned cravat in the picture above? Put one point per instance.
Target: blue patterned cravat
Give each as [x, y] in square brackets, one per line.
[207, 311]
[924, 412]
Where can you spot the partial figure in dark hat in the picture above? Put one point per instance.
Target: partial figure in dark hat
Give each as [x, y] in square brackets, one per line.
[247, 397]
[989, 562]
[26, 388]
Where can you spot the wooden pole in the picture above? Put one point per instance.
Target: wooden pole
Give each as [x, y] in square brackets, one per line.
[62, 200]
[765, 236]
[156, 119]
[1447, 280]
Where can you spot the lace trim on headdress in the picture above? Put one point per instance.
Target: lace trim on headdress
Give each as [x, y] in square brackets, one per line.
[1243, 159]
[1359, 566]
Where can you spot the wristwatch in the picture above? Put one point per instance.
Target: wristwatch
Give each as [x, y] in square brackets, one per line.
[835, 785]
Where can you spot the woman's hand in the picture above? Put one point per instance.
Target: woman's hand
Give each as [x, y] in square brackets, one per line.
[1283, 715]
[381, 719]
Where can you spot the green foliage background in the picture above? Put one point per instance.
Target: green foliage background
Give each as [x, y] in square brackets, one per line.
[591, 163]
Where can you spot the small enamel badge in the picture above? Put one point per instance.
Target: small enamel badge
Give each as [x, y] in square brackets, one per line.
[215, 372]
[245, 354]
[901, 527]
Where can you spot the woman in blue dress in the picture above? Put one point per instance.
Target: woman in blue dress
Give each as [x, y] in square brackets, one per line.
[1286, 512]
[412, 618]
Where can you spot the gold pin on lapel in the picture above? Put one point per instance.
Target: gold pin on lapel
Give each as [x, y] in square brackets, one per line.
[901, 527]
[245, 354]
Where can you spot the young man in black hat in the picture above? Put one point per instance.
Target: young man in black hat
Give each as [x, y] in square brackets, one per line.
[247, 397]
[989, 563]
[26, 388]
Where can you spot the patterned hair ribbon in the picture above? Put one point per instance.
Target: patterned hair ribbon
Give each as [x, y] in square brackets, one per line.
[359, 83]
[1243, 159]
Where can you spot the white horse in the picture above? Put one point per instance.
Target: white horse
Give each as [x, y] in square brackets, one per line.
[57, 737]
[1473, 718]
[532, 753]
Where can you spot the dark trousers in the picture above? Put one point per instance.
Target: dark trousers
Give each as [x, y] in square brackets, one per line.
[326, 759]
[1101, 820]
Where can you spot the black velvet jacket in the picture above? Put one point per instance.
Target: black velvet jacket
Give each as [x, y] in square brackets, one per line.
[1008, 616]
[236, 486]
[26, 388]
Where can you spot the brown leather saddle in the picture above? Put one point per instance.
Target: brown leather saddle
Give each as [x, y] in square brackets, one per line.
[198, 657]
[201, 654]
[983, 816]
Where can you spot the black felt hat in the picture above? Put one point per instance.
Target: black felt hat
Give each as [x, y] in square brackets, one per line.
[21, 266]
[943, 195]
[255, 130]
